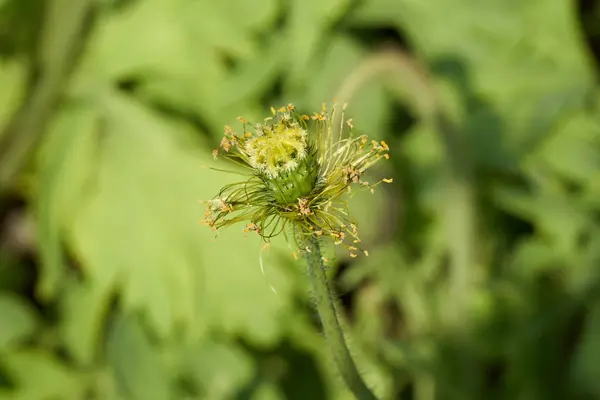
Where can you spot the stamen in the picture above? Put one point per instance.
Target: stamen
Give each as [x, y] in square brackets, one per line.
[262, 269]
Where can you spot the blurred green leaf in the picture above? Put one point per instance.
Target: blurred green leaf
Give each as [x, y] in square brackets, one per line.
[376, 13]
[184, 63]
[533, 257]
[306, 33]
[333, 75]
[38, 375]
[136, 363]
[555, 215]
[84, 307]
[249, 15]
[267, 392]
[18, 321]
[219, 368]
[177, 66]
[586, 368]
[254, 76]
[138, 300]
[138, 230]
[13, 274]
[516, 72]
[574, 150]
[12, 82]
[66, 160]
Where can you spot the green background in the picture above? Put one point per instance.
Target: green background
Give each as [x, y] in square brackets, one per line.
[482, 280]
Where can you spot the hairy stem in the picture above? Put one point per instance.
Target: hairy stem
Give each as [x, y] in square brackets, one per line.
[325, 303]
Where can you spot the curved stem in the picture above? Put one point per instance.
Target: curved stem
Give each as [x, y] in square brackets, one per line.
[325, 303]
[411, 82]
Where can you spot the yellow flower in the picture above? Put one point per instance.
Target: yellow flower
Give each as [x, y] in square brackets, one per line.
[301, 171]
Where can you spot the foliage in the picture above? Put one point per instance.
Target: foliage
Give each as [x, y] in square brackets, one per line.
[481, 280]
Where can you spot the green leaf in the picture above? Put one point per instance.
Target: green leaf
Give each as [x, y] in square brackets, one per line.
[12, 82]
[38, 375]
[83, 307]
[376, 13]
[219, 368]
[513, 72]
[138, 367]
[267, 391]
[253, 76]
[182, 64]
[585, 369]
[177, 66]
[65, 163]
[533, 257]
[138, 229]
[306, 33]
[245, 15]
[13, 276]
[555, 215]
[18, 321]
[574, 150]
[335, 74]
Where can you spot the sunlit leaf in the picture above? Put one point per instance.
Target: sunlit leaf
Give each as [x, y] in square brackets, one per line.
[139, 229]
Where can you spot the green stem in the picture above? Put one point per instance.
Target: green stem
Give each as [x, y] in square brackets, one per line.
[325, 303]
[411, 83]
[66, 26]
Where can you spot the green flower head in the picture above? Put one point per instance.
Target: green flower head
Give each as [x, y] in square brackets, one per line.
[301, 172]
